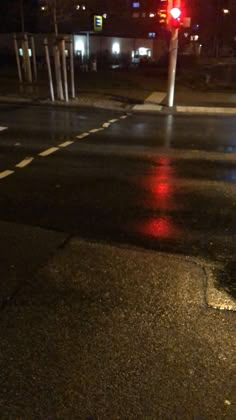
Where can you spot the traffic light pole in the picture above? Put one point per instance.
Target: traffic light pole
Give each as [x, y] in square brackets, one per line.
[173, 53]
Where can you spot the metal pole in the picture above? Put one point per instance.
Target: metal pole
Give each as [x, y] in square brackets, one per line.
[173, 53]
[17, 58]
[72, 73]
[49, 69]
[64, 69]
[34, 58]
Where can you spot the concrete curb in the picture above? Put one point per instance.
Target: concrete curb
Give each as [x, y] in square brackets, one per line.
[180, 109]
[205, 110]
[107, 104]
[90, 103]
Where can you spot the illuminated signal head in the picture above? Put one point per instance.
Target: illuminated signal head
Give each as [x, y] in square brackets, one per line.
[175, 13]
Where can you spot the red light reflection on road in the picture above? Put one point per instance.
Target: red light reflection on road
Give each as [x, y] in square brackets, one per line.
[160, 196]
[158, 227]
[160, 187]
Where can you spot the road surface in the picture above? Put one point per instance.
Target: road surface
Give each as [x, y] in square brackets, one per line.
[132, 205]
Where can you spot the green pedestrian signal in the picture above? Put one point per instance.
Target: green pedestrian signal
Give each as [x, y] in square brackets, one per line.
[97, 23]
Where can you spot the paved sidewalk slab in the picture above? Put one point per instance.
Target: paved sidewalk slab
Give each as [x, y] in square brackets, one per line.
[109, 332]
[156, 98]
[148, 107]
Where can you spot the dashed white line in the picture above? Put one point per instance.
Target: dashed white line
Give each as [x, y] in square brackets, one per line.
[81, 136]
[123, 117]
[106, 125]
[48, 151]
[112, 121]
[66, 143]
[24, 162]
[3, 128]
[6, 173]
[95, 130]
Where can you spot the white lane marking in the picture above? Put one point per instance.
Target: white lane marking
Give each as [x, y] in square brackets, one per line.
[95, 130]
[106, 125]
[6, 173]
[123, 117]
[24, 162]
[3, 128]
[112, 121]
[48, 151]
[66, 143]
[81, 136]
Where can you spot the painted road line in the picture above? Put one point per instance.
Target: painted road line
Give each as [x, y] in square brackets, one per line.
[48, 151]
[123, 117]
[6, 173]
[3, 128]
[113, 121]
[65, 144]
[81, 136]
[95, 130]
[106, 125]
[24, 162]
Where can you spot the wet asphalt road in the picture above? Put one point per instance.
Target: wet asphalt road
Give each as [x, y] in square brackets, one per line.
[159, 182]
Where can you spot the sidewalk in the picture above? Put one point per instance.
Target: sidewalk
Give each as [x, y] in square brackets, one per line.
[191, 101]
[109, 332]
[126, 92]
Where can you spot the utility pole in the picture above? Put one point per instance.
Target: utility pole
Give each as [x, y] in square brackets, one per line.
[173, 54]
[174, 14]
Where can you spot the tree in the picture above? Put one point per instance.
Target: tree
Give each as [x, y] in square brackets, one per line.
[58, 11]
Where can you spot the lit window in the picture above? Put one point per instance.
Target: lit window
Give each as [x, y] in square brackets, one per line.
[104, 15]
[136, 4]
[77, 6]
[79, 47]
[21, 52]
[142, 51]
[83, 7]
[151, 15]
[194, 37]
[116, 48]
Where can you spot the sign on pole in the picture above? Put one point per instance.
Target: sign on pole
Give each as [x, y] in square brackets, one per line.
[97, 23]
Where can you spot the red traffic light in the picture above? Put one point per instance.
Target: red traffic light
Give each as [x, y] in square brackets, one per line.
[175, 17]
[175, 13]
